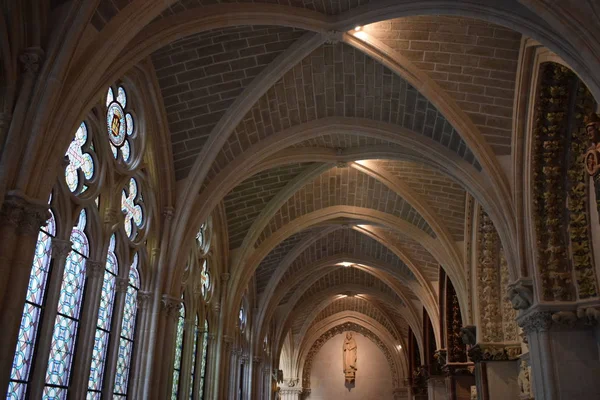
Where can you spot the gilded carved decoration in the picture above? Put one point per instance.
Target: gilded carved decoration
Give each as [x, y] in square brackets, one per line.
[339, 329]
[488, 287]
[456, 348]
[492, 352]
[560, 187]
[510, 330]
[524, 381]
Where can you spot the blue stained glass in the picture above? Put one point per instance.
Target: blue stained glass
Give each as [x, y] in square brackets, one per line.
[67, 319]
[30, 319]
[127, 332]
[110, 96]
[122, 96]
[203, 364]
[178, 353]
[205, 278]
[54, 393]
[130, 124]
[105, 312]
[194, 349]
[126, 150]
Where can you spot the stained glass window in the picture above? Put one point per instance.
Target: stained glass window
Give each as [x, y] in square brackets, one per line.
[119, 123]
[178, 353]
[205, 278]
[81, 164]
[203, 364]
[105, 312]
[194, 354]
[127, 332]
[242, 318]
[30, 320]
[200, 236]
[67, 318]
[130, 204]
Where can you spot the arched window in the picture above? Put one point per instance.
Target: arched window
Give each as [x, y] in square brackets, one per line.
[132, 206]
[103, 325]
[178, 353]
[126, 340]
[203, 364]
[194, 354]
[242, 318]
[67, 318]
[30, 321]
[205, 278]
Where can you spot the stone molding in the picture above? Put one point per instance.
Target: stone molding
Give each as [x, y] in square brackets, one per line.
[494, 352]
[168, 213]
[225, 277]
[94, 269]
[60, 248]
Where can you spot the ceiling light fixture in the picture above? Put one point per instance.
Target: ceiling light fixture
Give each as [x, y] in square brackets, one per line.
[399, 347]
[357, 28]
[346, 264]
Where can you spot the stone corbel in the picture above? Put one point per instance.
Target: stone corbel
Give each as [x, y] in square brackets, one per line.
[31, 60]
[143, 299]
[494, 352]
[25, 215]
[256, 360]
[520, 294]
[468, 335]
[591, 315]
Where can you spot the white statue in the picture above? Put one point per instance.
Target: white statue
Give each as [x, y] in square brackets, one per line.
[349, 353]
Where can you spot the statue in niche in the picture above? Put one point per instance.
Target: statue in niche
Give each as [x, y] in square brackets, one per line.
[349, 354]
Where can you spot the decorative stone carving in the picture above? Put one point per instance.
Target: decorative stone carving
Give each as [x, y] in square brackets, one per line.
[473, 392]
[171, 306]
[524, 381]
[256, 360]
[521, 296]
[25, 216]
[225, 277]
[456, 349]
[468, 335]
[441, 357]
[349, 351]
[568, 318]
[121, 284]
[60, 248]
[216, 306]
[489, 282]
[143, 299]
[510, 329]
[168, 213]
[31, 60]
[491, 352]
[333, 37]
[591, 315]
[94, 269]
[535, 322]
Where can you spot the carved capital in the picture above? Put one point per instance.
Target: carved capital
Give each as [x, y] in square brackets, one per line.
[210, 337]
[256, 360]
[121, 284]
[94, 269]
[144, 299]
[536, 322]
[31, 60]
[112, 216]
[492, 352]
[60, 248]
[171, 306]
[341, 164]
[216, 307]
[225, 277]
[25, 216]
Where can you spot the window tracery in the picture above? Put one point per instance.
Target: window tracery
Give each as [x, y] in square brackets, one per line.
[178, 353]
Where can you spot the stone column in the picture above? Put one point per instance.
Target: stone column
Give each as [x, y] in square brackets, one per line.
[20, 221]
[563, 348]
[209, 388]
[88, 322]
[256, 378]
[436, 388]
[140, 364]
[266, 390]
[496, 370]
[163, 365]
[224, 368]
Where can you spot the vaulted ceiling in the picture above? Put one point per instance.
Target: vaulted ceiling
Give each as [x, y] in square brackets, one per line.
[338, 148]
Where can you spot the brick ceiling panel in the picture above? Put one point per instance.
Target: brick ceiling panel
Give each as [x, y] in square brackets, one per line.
[201, 75]
[344, 186]
[443, 193]
[106, 10]
[475, 61]
[328, 7]
[355, 304]
[417, 253]
[347, 242]
[337, 80]
[342, 141]
[269, 264]
[248, 199]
